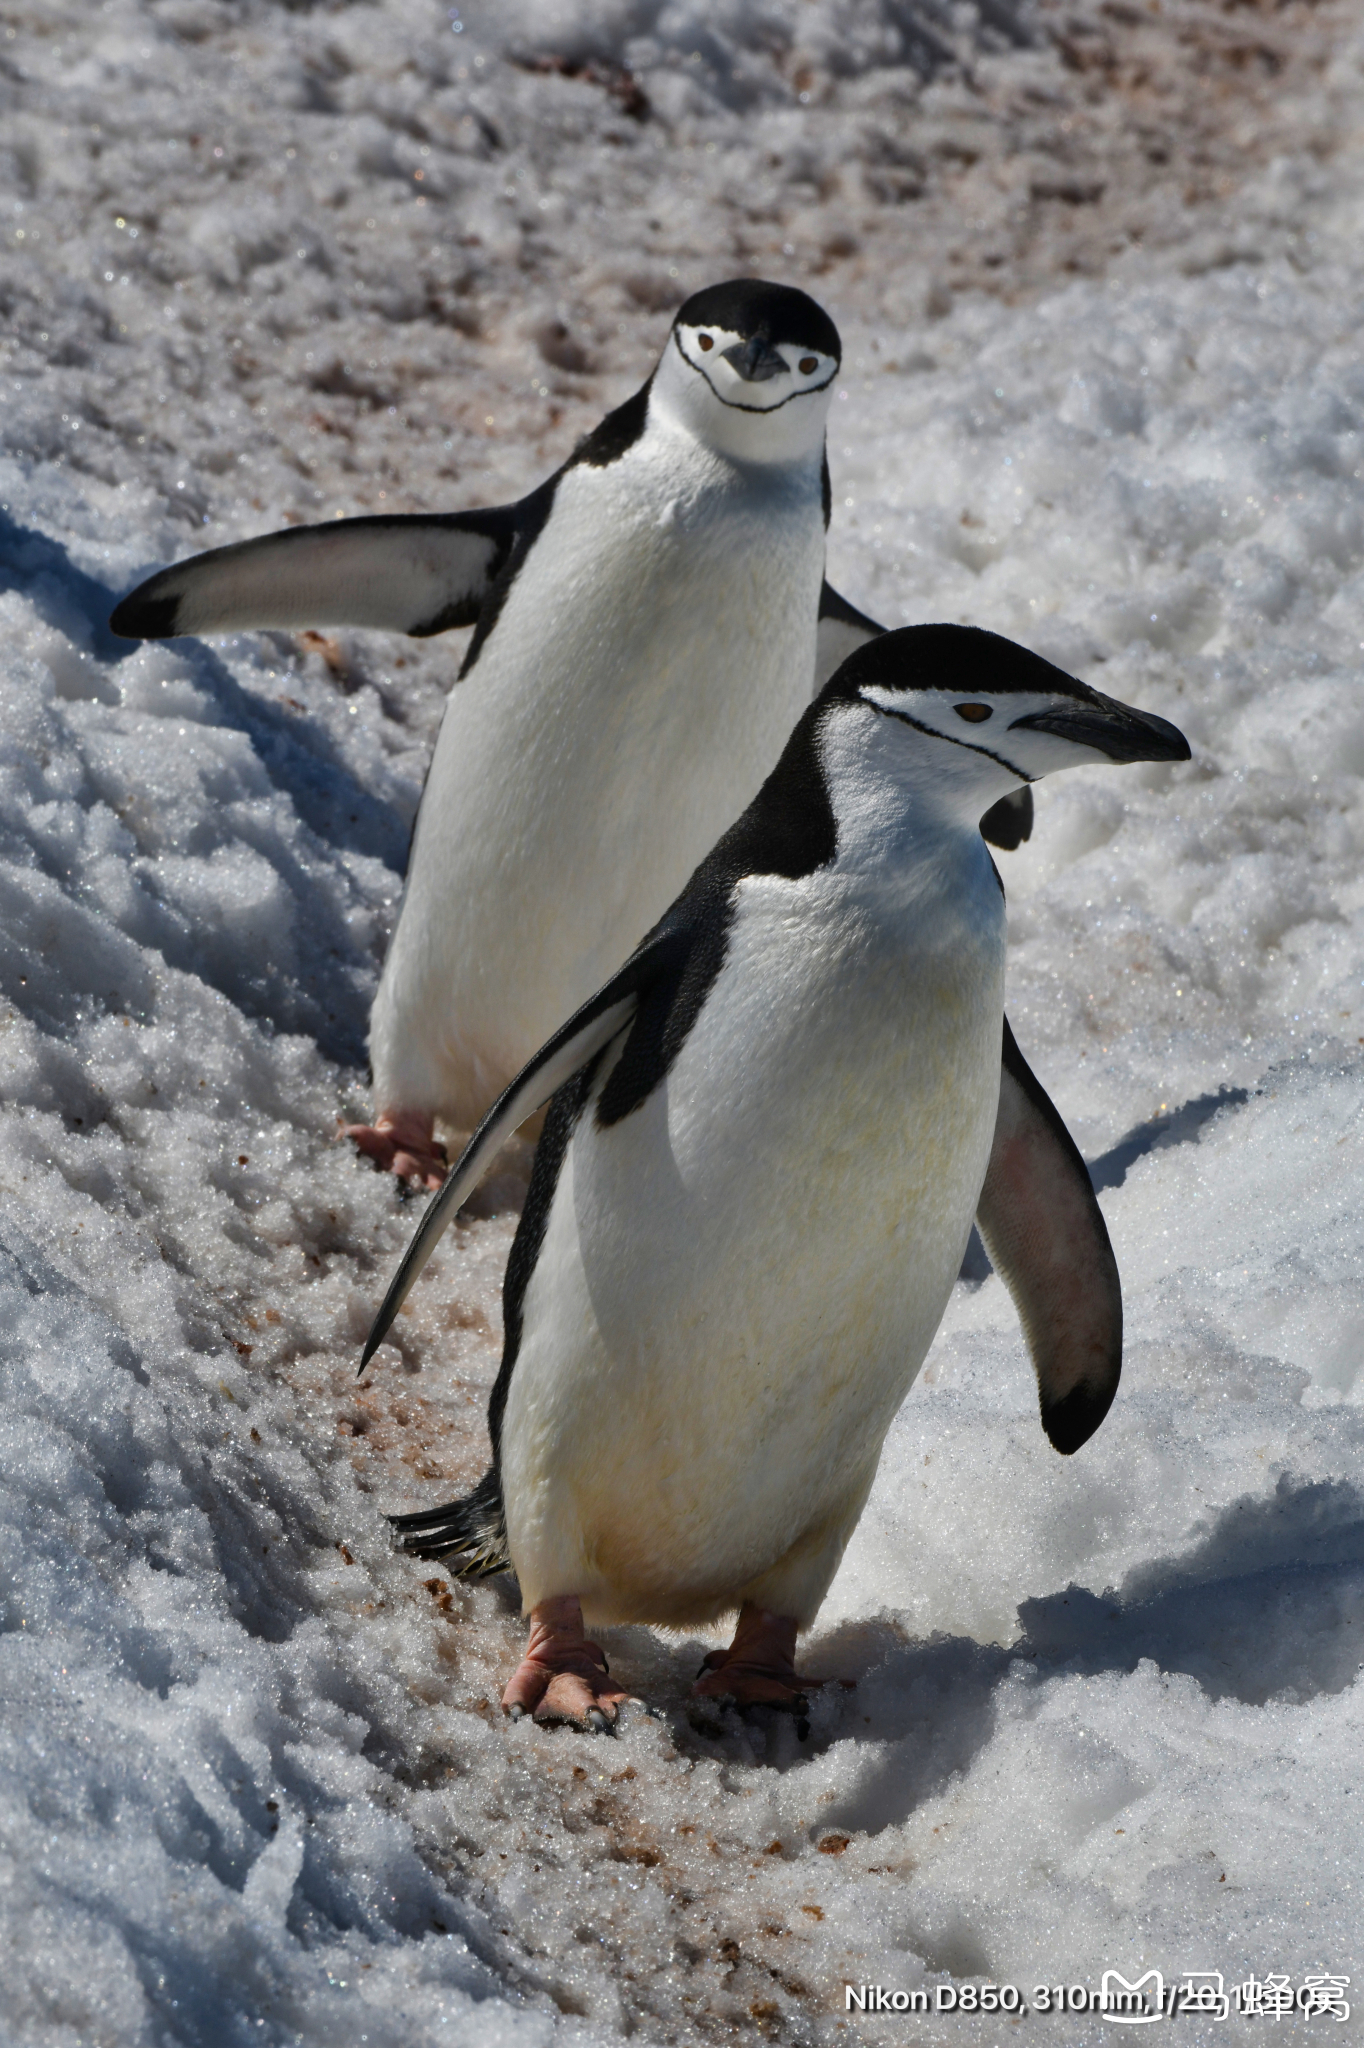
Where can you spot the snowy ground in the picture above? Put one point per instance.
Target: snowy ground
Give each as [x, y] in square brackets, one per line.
[1100, 279]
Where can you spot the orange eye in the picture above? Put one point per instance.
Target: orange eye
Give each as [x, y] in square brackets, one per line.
[974, 714]
[808, 365]
[705, 341]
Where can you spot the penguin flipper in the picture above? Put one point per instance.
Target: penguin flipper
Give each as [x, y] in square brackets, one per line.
[1046, 1235]
[841, 630]
[417, 573]
[590, 1029]
[1009, 822]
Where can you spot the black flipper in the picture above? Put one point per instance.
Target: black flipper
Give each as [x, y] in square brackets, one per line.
[417, 573]
[572, 1046]
[842, 628]
[1046, 1235]
[470, 1535]
[1009, 822]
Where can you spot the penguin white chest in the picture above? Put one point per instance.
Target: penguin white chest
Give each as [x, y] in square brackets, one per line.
[650, 659]
[739, 1281]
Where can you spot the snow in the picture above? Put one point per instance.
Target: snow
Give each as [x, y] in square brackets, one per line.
[1100, 285]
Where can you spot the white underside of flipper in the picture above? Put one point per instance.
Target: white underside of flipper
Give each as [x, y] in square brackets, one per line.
[648, 665]
[404, 574]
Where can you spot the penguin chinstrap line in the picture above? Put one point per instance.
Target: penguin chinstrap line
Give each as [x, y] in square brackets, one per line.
[649, 623]
[769, 1134]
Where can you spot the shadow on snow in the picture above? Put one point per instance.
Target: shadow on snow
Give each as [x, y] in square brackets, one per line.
[1268, 1604]
[1111, 1169]
[301, 762]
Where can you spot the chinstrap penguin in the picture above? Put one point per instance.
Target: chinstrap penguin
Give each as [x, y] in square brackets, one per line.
[648, 626]
[645, 636]
[770, 1132]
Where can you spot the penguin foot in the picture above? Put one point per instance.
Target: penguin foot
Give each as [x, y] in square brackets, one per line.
[563, 1676]
[403, 1144]
[759, 1668]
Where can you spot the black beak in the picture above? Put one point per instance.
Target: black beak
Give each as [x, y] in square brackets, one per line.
[756, 360]
[1111, 728]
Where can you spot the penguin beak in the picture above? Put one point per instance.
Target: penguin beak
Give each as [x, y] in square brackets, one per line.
[1110, 728]
[756, 360]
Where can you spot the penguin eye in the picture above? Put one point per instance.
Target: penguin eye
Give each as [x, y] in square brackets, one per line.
[808, 365]
[705, 341]
[974, 714]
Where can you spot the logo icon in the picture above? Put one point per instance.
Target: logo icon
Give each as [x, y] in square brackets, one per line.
[1131, 2005]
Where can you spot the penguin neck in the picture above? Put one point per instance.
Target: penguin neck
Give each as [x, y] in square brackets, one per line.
[788, 439]
[908, 810]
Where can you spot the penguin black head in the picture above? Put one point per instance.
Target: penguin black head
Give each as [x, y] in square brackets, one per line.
[758, 345]
[743, 352]
[982, 715]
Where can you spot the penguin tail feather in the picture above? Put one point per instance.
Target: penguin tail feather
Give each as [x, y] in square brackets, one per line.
[468, 1535]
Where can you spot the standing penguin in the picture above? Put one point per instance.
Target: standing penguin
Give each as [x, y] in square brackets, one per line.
[771, 1131]
[645, 636]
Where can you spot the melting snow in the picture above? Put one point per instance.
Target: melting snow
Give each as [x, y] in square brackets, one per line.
[263, 264]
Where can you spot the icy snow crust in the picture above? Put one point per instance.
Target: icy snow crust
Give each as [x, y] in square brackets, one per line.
[1102, 293]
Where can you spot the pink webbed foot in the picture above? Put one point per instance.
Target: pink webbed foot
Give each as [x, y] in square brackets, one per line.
[759, 1668]
[402, 1143]
[563, 1677]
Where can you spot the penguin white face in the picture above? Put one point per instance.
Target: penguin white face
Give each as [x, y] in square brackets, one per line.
[750, 368]
[750, 372]
[982, 716]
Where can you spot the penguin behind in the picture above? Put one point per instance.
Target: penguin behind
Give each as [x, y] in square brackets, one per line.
[771, 1132]
[645, 636]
